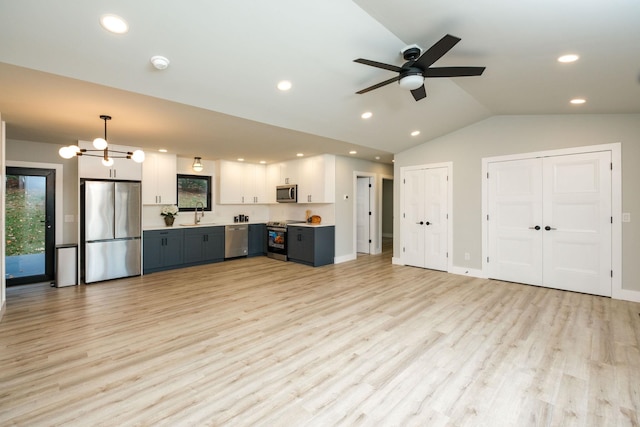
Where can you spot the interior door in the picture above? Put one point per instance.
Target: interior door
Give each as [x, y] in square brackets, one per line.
[515, 221]
[425, 222]
[550, 222]
[29, 225]
[577, 223]
[363, 217]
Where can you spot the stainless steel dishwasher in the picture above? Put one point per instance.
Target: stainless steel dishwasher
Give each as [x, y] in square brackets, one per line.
[236, 240]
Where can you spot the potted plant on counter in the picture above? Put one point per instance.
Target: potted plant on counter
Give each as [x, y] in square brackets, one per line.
[169, 213]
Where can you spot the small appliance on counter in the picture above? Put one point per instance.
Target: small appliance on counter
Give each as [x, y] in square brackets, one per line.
[241, 218]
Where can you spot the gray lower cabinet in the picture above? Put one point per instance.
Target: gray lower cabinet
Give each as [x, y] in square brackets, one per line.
[203, 245]
[311, 245]
[257, 239]
[162, 250]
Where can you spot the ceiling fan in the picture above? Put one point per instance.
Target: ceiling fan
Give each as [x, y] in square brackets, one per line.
[418, 67]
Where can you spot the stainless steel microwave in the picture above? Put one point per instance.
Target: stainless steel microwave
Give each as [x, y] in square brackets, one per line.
[287, 193]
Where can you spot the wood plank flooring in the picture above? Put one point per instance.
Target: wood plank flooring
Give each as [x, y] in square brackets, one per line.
[261, 342]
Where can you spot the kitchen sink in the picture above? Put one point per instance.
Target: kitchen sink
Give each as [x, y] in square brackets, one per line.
[193, 224]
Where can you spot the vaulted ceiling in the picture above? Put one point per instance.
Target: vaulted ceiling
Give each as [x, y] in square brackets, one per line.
[60, 70]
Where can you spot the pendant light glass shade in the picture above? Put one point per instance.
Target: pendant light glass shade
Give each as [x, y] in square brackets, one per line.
[107, 162]
[99, 143]
[197, 164]
[138, 156]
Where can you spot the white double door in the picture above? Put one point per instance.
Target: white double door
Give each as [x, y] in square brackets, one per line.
[549, 222]
[425, 220]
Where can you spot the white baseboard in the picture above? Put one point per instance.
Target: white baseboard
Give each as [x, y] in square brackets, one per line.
[344, 258]
[626, 295]
[397, 261]
[463, 271]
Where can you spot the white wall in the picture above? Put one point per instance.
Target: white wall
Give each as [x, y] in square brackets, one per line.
[502, 135]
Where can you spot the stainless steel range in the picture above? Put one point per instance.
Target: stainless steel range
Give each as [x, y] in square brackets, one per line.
[277, 238]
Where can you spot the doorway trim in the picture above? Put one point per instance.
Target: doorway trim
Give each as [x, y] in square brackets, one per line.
[58, 192]
[616, 208]
[403, 170]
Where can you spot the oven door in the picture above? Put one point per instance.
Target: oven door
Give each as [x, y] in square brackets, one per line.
[277, 243]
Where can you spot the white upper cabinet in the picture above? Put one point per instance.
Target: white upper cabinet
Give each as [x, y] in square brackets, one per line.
[317, 179]
[159, 179]
[242, 183]
[122, 168]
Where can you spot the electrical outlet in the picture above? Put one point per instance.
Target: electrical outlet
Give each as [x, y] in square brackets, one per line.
[68, 218]
[626, 217]
[467, 256]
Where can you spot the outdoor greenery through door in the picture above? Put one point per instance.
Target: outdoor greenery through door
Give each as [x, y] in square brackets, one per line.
[29, 225]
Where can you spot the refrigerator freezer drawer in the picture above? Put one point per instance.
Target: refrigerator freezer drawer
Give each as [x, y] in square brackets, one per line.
[111, 260]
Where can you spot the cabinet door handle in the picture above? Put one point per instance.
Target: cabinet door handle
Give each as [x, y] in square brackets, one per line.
[420, 223]
[299, 237]
[537, 227]
[549, 228]
[428, 223]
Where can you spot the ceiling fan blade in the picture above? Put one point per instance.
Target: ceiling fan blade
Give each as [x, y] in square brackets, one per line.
[436, 51]
[378, 65]
[384, 83]
[419, 93]
[453, 71]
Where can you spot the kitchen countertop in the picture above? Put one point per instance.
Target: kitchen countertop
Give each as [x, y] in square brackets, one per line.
[306, 224]
[178, 225]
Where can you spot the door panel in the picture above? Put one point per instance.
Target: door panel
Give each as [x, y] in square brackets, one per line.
[413, 232]
[515, 209]
[436, 219]
[569, 198]
[363, 228]
[424, 222]
[29, 225]
[577, 248]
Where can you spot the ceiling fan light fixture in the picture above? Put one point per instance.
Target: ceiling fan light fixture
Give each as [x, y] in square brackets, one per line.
[411, 81]
[197, 164]
[568, 58]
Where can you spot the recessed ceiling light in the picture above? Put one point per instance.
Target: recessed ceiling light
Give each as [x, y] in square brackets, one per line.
[160, 62]
[263, 162]
[114, 24]
[415, 133]
[578, 101]
[568, 58]
[163, 150]
[353, 152]
[299, 154]
[377, 157]
[367, 115]
[240, 159]
[284, 85]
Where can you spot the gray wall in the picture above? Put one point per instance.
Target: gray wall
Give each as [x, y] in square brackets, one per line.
[38, 152]
[503, 135]
[345, 167]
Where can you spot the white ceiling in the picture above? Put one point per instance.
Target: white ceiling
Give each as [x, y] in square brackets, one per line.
[59, 70]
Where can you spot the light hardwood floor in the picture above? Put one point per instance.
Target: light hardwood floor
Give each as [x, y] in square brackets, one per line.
[262, 342]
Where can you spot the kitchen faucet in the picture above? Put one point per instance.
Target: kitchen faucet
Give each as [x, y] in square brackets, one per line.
[196, 219]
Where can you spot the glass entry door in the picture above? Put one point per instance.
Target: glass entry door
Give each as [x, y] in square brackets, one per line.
[29, 225]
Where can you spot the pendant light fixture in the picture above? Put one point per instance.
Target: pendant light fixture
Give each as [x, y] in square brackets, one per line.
[102, 150]
[197, 164]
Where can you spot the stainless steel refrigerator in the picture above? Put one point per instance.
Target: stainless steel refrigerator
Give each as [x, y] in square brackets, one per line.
[110, 229]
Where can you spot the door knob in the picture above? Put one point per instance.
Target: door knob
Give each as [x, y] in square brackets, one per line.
[428, 223]
[549, 228]
[420, 222]
[537, 227]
